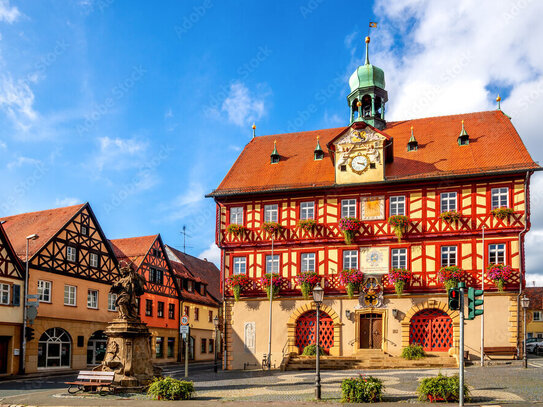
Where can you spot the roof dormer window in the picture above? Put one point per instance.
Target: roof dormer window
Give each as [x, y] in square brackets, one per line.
[274, 155]
[318, 153]
[412, 144]
[463, 138]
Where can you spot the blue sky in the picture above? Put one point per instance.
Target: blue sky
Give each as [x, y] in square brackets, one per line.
[141, 108]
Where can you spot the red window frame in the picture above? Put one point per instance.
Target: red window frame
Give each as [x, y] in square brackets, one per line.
[357, 207]
[387, 204]
[229, 208]
[408, 251]
[448, 190]
[263, 211]
[357, 249]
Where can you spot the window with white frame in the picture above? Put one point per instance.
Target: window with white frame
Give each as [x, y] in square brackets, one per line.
[271, 213]
[397, 205]
[5, 290]
[500, 197]
[448, 201]
[71, 253]
[307, 261]
[94, 260]
[537, 316]
[236, 215]
[348, 208]
[448, 256]
[84, 230]
[92, 299]
[307, 210]
[44, 291]
[399, 258]
[496, 253]
[70, 293]
[240, 265]
[111, 302]
[272, 263]
[350, 259]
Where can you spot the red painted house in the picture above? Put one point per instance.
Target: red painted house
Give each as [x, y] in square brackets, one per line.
[285, 204]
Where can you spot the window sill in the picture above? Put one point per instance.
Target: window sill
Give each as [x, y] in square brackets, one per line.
[70, 305]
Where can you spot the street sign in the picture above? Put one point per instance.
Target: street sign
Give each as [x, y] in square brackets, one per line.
[184, 329]
[31, 313]
[184, 320]
[32, 296]
[32, 304]
[184, 336]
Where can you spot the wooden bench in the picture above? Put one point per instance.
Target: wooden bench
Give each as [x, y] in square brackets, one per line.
[500, 351]
[87, 380]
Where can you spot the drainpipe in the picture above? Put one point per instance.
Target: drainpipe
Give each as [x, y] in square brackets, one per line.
[224, 337]
[521, 250]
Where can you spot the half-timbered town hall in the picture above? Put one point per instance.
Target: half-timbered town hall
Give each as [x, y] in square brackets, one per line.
[383, 215]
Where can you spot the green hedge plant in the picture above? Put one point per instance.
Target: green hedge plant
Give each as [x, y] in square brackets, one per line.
[311, 350]
[413, 352]
[441, 388]
[168, 388]
[362, 389]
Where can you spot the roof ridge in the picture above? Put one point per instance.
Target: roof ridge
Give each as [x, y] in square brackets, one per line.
[443, 116]
[78, 206]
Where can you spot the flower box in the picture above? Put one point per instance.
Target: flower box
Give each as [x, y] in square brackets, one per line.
[307, 280]
[351, 279]
[502, 213]
[450, 216]
[399, 277]
[235, 229]
[272, 228]
[399, 223]
[499, 274]
[349, 227]
[450, 276]
[266, 283]
[307, 224]
[238, 283]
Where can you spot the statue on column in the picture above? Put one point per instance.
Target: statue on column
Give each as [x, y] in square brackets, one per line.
[128, 288]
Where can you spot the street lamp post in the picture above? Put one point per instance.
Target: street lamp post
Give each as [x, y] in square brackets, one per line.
[23, 364]
[216, 325]
[525, 303]
[318, 296]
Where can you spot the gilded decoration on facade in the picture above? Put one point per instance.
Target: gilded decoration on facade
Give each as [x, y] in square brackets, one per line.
[374, 260]
[371, 293]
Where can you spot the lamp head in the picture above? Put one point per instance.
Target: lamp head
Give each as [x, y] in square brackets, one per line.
[216, 321]
[32, 237]
[318, 294]
[525, 302]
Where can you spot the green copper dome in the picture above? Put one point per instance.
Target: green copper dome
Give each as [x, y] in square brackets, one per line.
[367, 75]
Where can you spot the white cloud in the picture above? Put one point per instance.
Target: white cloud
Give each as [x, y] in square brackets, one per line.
[22, 161]
[447, 57]
[17, 100]
[212, 254]
[66, 202]
[119, 154]
[8, 13]
[241, 107]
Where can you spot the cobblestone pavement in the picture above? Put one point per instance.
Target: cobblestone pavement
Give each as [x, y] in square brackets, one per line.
[494, 385]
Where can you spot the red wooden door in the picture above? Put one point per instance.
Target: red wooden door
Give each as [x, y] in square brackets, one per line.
[431, 328]
[305, 330]
[371, 335]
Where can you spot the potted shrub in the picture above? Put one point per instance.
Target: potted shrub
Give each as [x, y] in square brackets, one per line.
[441, 388]
[349, 227]
[502, 213]
[307, 280]
[238, 282]
[362, 389]
[235, 229]
[499, 274]
[307, 224]
[311, 350]
[351, 279]
[399, 223]
[272, 228]
[413, 352]
[450, 276]
[168, 388]
[399, 277]
[277, 282]
[450, 216]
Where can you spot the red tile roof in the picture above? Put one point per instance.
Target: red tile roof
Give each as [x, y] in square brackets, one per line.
[133, 249]
[202, 269]
[44, 223]
[535, 294]
[494, 146]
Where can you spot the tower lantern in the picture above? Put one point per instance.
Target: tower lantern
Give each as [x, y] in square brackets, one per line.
[368, 95]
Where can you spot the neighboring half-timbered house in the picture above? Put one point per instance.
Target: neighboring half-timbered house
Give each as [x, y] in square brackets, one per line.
[71, 268]
[11, 306]
[198, 282]
[449, 180]
[159, 306]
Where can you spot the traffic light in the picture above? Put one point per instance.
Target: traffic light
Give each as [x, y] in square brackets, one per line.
[29, 333]
[473, 303]
[454, 299]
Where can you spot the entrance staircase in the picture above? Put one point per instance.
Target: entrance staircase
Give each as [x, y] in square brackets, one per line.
[369, 359]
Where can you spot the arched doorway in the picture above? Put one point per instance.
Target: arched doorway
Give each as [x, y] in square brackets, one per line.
[54, 348]
[96, 348]
[305, 330]
[433, 329]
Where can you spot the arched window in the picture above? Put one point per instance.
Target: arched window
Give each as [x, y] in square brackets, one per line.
[354, 110]
[96, 348]
[54, 348]
[366, 106]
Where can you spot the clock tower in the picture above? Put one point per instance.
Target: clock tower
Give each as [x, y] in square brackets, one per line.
[368, 95]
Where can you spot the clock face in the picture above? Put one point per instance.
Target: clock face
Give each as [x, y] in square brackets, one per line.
[360, 163]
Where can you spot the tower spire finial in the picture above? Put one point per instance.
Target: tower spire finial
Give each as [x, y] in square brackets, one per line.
[254, 130]
[499, 100]
[367, 51]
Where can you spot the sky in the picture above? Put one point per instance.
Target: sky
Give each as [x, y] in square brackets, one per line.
[141, 108]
